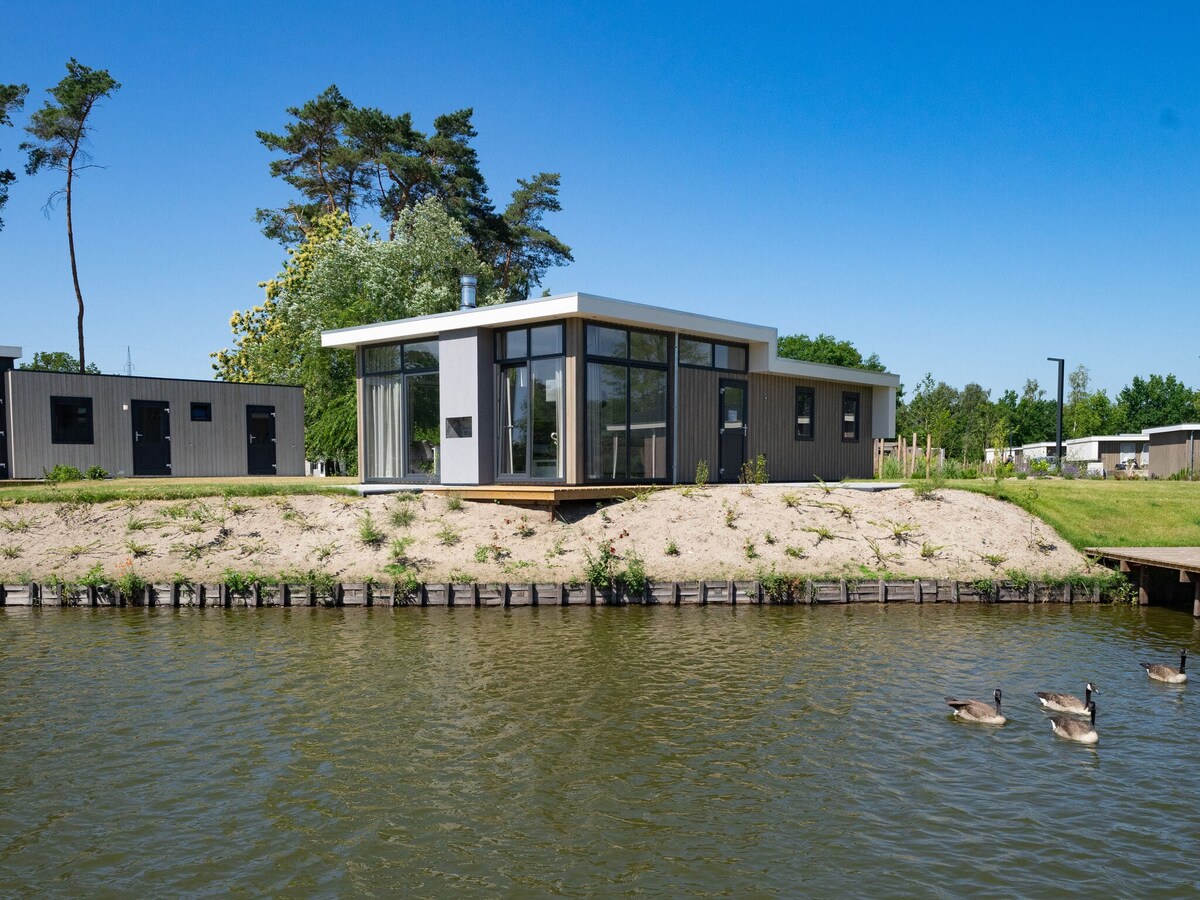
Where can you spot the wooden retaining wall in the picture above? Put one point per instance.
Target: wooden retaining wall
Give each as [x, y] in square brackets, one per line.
[665, 593]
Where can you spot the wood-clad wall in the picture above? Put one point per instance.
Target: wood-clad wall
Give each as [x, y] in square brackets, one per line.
[1169, 452]
[771, 426]
[197, 448]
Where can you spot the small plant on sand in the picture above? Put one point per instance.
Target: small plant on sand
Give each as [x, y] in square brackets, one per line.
[190, 551]
[454, 503]
[770, 539]
[136, 550]
[731, 515]
[672, 549]
[521, 527]
[237, 507]
[600, 569]
[881, 557]
[822, 533]
[902, 532]
[405, 580]
[754, 471]
[135, 524]
[558, 548]
[399, 548]
[403, 516]
[791, 501]
[448, 535]
[794, 552]
[828, 489]
[368, 533]
[930, 551]
[494, 552]
[10, 551]
[701, 473]
[993, 559]
[749, 549]
[94, 577]
[16, 526]
[127, 582]
[458, 577]
[928, 488]
[74, 551]
[323, 552]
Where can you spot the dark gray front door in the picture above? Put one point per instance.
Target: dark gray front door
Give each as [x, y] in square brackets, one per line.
[260, 440]
[3, 428]
[151, 437]
[733, 430]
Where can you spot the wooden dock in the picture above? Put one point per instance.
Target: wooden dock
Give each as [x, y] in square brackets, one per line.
[1150, 563]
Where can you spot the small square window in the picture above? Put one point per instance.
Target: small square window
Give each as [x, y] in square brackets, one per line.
[731, 357]
[71, 420]
[695, 353]
[201, 412]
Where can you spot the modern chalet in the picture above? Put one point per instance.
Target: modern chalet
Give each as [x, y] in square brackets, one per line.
[130, 425]
[578, 389]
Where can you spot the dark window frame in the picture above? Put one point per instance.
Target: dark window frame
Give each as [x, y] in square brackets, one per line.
[712, 364]
[501, 332]
[403, 368]
[57, 435]
[811, 394]
[857, 398]
[205, 410]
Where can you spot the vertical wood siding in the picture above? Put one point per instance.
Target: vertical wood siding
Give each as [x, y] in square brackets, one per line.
[197, 448]
[771, 421]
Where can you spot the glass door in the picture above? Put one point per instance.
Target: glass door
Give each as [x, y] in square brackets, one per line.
[732, 446]
[531, 411]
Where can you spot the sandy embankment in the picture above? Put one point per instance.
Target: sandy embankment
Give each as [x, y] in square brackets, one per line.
[718, 532]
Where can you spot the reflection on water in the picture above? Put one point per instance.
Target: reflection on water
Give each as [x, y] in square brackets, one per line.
[572, 751]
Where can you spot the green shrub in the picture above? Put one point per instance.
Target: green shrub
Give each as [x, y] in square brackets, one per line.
[600, 570]
[634, 576]
[61, 473]
[95, 473]
[368, 533]
[702, 473]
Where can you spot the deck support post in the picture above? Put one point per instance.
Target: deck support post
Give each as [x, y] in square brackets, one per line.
[1143, 586]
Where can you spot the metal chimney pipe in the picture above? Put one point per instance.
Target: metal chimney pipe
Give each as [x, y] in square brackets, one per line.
[468, 283]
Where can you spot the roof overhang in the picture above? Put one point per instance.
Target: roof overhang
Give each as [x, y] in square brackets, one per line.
[1165, 429]
[763, 340]
[7, 352]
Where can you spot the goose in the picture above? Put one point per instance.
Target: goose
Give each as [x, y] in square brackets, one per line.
[975, 711]
[1082, 732]
[1169, 674]
[1068, 703]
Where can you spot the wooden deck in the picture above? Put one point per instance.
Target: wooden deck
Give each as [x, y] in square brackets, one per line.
[1143, 561]
[542, 495]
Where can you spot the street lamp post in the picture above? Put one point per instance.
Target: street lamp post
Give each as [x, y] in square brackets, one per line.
[1058, 446]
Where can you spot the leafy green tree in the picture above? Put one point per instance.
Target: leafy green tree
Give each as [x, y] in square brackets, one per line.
[60, 131]
[1156, 401]
[338, 277]
[57, 361]
[343, 158]
[12, 97]
[1088, 412]
[827, 349]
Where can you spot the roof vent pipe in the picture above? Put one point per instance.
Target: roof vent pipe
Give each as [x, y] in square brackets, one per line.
[468, 283]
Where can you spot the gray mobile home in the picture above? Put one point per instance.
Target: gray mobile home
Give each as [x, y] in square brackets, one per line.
[1173, 449]
[578, 389]
[145, 426]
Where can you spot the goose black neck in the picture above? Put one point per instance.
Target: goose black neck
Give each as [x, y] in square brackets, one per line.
[1182, 661]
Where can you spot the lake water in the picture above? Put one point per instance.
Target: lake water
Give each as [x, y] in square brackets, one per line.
[737, 751]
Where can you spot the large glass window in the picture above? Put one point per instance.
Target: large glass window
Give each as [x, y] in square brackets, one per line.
[626, 414]
[401, 411]
[71, 420]
[531, 402]
[849, 416]
[804, 414]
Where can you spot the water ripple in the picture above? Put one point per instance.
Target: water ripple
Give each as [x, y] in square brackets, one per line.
[756, 752]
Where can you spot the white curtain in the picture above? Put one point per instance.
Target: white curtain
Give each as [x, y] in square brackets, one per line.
[383, 430]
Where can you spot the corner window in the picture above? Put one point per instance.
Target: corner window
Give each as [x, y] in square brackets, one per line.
[201, 412]
[71, 420]
[804, 414]
[849, 417]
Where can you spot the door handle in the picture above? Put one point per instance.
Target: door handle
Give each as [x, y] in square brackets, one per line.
[137, 435]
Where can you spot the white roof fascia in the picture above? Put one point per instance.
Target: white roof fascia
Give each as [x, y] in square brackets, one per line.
[10, 352]
[763, 339]
[1187, 426]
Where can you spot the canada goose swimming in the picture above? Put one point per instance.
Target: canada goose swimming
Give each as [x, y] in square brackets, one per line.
[1169, 674]
[975, 711]
[1083, 732]
[1067, 703]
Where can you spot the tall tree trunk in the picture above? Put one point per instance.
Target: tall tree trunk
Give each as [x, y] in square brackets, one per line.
[74, 267]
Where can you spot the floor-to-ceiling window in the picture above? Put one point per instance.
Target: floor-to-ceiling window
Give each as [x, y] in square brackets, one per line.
[627, 402]
[530, 438]
[401, 411]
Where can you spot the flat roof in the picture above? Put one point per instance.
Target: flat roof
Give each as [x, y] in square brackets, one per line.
[1186, 426]
[9, 352]
[605, 309]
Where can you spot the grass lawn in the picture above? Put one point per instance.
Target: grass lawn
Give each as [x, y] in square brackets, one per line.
[1091, 513]
[168, 489]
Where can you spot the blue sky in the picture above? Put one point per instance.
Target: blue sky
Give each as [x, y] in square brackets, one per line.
[965, 189]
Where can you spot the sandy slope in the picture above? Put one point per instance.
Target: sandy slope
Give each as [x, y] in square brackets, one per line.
[715, 531]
